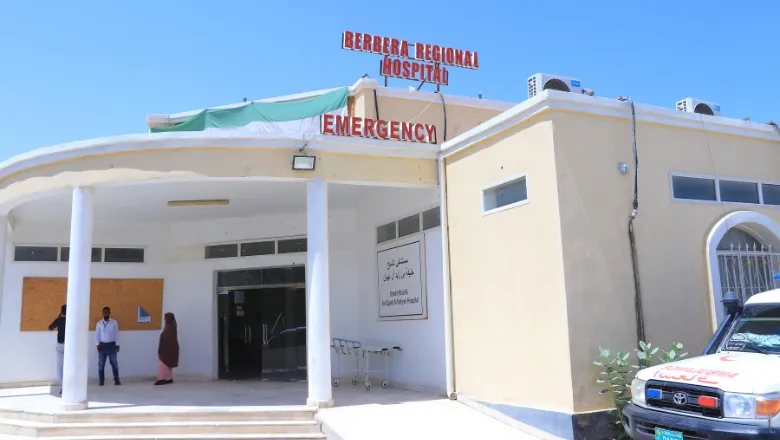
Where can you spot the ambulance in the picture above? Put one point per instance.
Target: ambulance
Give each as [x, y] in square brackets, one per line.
[731, 391]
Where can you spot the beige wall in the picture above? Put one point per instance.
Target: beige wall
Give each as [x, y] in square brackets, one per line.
[459, 119]
[595, 202]
[215, 162]
[510, 329]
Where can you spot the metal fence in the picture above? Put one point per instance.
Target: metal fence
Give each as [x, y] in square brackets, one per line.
[748, 270]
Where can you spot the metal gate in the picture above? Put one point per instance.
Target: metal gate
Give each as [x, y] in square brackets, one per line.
[748, 270]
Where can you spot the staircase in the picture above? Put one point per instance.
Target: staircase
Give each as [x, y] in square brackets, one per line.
[271, 423]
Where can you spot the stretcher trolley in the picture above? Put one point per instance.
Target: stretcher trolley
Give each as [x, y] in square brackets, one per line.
[381, 351]
[345, 347]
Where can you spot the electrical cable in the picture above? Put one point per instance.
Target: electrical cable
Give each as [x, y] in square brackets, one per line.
[444, 108]
[376, 105]
[639, 312]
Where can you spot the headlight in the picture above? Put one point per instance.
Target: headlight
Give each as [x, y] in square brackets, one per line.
[638, 391]
[741, 406]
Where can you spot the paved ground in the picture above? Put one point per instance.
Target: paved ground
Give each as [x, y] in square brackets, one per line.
[359, 414]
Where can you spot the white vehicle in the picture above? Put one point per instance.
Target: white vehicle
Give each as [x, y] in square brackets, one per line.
[731, 391]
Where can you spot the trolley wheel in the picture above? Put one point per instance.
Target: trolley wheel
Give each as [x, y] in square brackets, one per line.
[385, 384]
[336, 382]
[368, 386]
[354, 381]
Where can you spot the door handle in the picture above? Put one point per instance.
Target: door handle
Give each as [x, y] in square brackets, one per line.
[250, 333]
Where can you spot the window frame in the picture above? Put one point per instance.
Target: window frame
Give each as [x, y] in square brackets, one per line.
[717, 179]
[504, 181]
[409, 213]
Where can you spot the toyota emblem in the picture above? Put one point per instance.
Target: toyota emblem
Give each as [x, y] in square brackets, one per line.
[680, 398]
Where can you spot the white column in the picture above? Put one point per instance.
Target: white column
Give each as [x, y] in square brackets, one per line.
[3, 244]
[318, 307]
[74, 382]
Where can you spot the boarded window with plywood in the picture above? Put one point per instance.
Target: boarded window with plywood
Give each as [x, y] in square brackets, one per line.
[43, 297]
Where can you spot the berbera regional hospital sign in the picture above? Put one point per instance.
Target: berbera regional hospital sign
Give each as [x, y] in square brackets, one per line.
[413, 61]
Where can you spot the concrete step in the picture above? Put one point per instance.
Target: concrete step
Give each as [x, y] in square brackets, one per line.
[37, 429]
[265, 414]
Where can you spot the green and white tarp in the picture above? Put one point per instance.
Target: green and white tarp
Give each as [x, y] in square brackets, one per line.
[268, 117]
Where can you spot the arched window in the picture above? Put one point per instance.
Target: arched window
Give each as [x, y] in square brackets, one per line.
[747, 265]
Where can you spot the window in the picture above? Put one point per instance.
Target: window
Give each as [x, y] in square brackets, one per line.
[693, 188]
[431, 218]
[505, 195]
[97, 254]
[35, 253]
[221, 251]
[385, 233]
[292, 245]
[124, 255]
[771, 194]
[736, 191]
[409, 225]
[258, 248]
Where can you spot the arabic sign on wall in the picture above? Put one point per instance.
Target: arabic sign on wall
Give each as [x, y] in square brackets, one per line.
[400, 280]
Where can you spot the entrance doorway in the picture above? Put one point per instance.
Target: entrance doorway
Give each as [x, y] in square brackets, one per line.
[262, 323]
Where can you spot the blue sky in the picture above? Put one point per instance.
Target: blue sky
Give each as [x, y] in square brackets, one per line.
[77, 70]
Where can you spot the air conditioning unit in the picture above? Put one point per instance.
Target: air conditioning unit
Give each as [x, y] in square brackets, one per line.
[698, 106]
[544, 81]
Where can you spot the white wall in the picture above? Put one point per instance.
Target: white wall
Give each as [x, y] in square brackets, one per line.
[420, 366]
[175, 252]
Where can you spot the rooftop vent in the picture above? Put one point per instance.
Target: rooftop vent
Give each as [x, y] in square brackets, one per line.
[698, 106]
[544, 81]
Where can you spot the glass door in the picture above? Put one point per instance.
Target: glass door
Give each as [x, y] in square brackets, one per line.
[284, 333]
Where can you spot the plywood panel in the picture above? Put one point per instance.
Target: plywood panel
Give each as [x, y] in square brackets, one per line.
[42, 299]
[104, 292]
[147, 293]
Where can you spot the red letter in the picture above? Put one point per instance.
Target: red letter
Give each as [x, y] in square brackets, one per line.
[386, 46]
[406, 131]
[394, 126]
[419, 132]
[406, 68]
[476, 61]
[431, 133]
[387, 66]
[415, 69]
[437, 75]
[326, 125]
[467, 59]
[404, 49]
[458, 58]
[436, 53]
[450, 56]
[348, 40]
[356, 122]
[445, 76]
[419, 50]
[381, 129]
[428, 71]
[377, 44]
[396, 68]
[368, 130]
[342, 125]
[427, 52]
[358, 36]
[394, 47]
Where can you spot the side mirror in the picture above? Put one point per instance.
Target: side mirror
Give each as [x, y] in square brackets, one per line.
[732, 303]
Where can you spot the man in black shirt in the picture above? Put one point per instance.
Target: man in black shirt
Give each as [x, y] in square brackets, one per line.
[59, 324]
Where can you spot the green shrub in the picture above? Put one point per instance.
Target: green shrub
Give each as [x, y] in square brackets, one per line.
[616, 374]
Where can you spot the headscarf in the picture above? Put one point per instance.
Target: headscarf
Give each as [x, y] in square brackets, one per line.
[168, 350]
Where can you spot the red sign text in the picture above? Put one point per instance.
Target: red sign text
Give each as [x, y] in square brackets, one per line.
[377, 129]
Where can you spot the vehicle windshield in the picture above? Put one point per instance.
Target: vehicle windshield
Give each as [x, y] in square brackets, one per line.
[758, 330]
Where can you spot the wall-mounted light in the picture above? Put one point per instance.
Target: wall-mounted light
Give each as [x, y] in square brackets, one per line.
[623, 168]
[302, 161]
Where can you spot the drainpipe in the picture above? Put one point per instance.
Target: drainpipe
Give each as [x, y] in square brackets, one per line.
[449, 359]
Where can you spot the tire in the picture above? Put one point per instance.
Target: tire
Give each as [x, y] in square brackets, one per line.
[385, 384]
[354, 381]
[336, 382]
